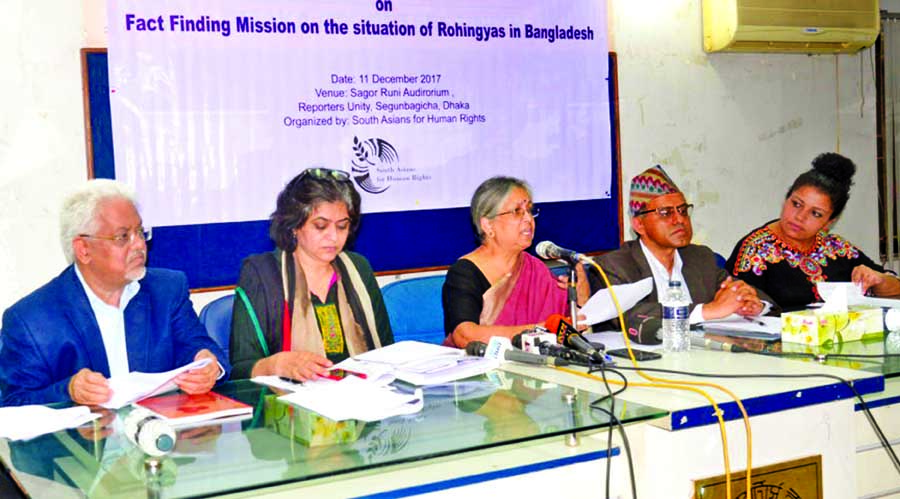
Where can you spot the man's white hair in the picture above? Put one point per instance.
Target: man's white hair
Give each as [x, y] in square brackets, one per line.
[79, 209]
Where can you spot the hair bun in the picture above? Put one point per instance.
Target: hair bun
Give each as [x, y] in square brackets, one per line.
[835, 167]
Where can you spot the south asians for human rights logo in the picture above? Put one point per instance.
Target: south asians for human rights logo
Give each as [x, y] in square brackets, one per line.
[368, 155]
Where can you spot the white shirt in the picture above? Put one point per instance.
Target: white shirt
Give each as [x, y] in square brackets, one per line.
[111, 321]
[661, 278]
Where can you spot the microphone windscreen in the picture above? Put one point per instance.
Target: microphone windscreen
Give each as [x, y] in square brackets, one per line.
[476, 348]
[543, 250]
[517, 339]
[554, 323]
[648, 331]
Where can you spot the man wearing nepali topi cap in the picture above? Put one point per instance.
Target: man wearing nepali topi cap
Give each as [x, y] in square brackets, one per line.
[661, 218]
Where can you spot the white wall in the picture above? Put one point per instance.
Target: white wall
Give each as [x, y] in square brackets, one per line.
[41, 136]
[733, 130]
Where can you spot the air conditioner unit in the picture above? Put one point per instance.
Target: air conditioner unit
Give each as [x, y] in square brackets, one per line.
[805, 26]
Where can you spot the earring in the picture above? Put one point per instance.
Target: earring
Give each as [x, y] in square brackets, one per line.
[490, 234]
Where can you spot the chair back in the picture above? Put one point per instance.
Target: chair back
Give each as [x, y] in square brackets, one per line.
[720, 260]
[216, 316]
[415, 309]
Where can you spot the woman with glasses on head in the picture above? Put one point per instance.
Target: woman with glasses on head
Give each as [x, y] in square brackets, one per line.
[788, 256]
[307, 304]
[498, 289]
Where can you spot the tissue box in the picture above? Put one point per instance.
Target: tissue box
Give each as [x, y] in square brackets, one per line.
[814, 327]
[308, 427]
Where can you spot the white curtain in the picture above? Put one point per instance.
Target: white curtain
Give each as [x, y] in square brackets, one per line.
[889, 207]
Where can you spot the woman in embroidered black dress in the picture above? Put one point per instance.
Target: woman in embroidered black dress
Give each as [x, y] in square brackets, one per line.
[310, 303]
[788, 256]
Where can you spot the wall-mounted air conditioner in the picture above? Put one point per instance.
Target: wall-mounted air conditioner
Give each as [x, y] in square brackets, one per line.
[806, 26]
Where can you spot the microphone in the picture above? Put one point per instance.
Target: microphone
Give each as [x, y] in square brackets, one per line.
[708, 344]
[540, 341]
[501, 349]
[562, 352]
[649, 332]
[570, 337]
[530, 339]
[149, 433]
[550, 251]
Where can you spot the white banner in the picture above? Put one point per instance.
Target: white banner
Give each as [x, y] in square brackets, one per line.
[217, 104]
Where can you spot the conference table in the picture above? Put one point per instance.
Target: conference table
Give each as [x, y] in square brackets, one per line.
[499, 429]
[521, 430]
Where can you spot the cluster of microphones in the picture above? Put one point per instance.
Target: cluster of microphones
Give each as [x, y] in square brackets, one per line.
[558, 343]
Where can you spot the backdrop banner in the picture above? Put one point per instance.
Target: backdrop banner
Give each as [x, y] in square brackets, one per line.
[217, 104]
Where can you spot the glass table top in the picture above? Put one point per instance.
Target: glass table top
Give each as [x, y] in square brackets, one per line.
[863, 355]
[284, 444]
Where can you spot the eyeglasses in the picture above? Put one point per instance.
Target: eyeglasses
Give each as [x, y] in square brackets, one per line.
[667, 211]
[124, 237]
[518, 212]
[324, 174]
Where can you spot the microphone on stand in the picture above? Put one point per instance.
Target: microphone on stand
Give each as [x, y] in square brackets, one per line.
[653, 335]
[540, 341]
[708, 344]
[501, 349]
[149, 433]
[570, 337]
[550, 251]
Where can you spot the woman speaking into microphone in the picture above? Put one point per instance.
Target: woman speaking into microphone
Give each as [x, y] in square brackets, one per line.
[498, 289]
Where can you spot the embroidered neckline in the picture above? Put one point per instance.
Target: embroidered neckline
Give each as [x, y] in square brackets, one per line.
[763, 247]
[820, 238]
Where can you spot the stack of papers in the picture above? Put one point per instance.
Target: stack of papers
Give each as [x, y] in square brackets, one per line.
[183, 410]
[355, 398]
[137, 385]
[29, 421]
[762, 327]
[422, 364]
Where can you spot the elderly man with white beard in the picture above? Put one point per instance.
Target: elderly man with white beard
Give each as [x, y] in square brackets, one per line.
[105, 315]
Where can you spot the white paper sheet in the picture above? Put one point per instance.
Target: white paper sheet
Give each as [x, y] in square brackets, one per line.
[137, 385]
[763, 327]
[600, 308]
[406, 352]
[839, 295]
[354, 398]
[425, 363]
[29, 421]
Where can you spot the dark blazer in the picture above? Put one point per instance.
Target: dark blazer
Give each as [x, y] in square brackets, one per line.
[628, 264]
[51, 334]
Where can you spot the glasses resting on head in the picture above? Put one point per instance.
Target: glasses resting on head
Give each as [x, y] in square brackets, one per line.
[667, 211]
[124, 237]
[519, 212]
[325, 173]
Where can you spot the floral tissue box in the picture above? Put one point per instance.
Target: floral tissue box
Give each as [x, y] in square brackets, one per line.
[814, 327]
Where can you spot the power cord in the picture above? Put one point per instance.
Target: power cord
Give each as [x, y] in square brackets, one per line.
[866, 411]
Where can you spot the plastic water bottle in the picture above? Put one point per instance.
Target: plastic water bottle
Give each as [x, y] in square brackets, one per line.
[149, 433]
[675, 323]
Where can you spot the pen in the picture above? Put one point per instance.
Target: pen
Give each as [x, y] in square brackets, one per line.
[758, 323]
[290, 380]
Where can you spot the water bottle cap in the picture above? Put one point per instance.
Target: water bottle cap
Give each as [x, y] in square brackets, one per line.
[165, 443]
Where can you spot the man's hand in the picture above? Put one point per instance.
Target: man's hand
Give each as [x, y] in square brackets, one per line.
[733, 297]
[89, 388]
[200, 380]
